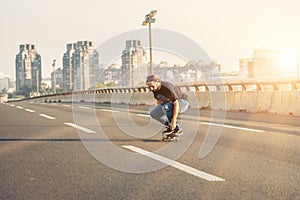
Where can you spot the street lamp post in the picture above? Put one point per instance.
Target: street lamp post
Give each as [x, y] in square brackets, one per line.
[149, 18]
[37, 82]
[54, 77]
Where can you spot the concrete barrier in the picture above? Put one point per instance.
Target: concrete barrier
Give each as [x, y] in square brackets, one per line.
[224, 97]
[3, 97]
[285, 103]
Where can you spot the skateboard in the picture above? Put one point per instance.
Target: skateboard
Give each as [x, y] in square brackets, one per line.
[171, 137]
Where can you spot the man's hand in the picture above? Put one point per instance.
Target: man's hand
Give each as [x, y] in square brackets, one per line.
[173, 124]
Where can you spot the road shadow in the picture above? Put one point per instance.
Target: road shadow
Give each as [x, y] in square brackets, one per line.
[73, 140]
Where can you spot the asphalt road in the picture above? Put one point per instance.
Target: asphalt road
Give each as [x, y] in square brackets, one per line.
[87, 151]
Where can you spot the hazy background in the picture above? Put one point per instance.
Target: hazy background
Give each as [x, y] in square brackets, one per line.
[226, 30]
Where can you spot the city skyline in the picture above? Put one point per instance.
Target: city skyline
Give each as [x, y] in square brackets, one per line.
[227, 30]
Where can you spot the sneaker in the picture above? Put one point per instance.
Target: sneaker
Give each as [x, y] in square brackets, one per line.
[178, 132]
[168, 131]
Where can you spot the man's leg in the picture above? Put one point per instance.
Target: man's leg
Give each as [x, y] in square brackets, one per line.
[168, 110]
[183, 105]
[158, 114]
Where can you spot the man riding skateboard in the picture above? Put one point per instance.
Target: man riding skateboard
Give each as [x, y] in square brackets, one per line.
[170, 102]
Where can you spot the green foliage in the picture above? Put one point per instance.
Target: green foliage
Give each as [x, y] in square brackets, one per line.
[107, 85]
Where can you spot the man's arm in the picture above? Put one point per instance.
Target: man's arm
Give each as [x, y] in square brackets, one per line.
[175, 114]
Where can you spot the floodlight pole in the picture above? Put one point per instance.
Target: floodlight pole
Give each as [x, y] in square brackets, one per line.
[149, 18]
[150, 49]
[54, 77]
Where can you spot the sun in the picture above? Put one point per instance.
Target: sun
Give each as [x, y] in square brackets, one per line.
[289, 62]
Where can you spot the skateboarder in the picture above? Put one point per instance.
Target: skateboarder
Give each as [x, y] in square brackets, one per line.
[170, 102]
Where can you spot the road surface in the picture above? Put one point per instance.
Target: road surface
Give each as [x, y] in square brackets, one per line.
[94, 151]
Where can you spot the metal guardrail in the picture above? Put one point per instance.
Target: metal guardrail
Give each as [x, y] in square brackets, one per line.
[281, 85]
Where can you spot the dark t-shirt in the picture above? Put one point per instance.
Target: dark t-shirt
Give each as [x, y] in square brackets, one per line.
[167, 92]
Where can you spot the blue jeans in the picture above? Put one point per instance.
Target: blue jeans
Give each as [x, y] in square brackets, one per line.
[164, 112]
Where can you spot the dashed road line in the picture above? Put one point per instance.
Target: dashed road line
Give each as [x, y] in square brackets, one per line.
[143, 115]
[28, 110]
[83, 107]
[47, 116]
[234, 127]
[20, 107]
[107, 110]
[80, 128]
[177, 165]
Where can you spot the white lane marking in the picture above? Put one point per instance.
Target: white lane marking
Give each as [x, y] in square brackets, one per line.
[182, 167]
[234, 127]
[28, 110]
[20, 107]
[83, 107]
[66, 105]
[12, 105]
[107, 110]
[80, 128]
[47, 116]
[143, 115]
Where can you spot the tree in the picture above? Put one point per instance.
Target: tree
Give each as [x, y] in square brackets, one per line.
[44, 88]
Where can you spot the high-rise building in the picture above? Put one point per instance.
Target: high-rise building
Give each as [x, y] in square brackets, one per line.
[58, 80]
[134, 66]
[28, 69]
[80, 66]
[68, 68]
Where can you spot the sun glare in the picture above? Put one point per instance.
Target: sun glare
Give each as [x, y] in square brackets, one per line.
[288, 63]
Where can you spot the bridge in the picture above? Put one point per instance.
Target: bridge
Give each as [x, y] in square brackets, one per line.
[102, 144]
[280, 97]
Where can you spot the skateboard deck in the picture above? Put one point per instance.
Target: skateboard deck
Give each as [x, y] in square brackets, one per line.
[171, 137]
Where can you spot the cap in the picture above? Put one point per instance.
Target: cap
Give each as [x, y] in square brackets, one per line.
[152, 77]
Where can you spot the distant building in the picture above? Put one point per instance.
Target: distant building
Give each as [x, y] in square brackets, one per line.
[112, 74]
[134, 67]
[80, 66]
[191, 72]
[58, 80]
[68, 76]
[4, 83]
[12, 86]
[246, 69]
[28, 69]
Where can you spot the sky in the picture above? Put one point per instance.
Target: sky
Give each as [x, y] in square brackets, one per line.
[226, 30]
